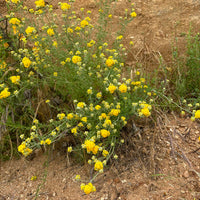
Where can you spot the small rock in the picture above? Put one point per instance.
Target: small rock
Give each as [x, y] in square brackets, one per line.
[54, 194]
[186, 174]
[64, 180]
[124, 181]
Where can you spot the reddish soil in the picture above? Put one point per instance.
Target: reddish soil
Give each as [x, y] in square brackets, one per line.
[165, 164]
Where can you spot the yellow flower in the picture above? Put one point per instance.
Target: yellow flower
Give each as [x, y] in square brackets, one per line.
[123, 118]
[110, 62]
[97, 107]
[31, 10]
[76, 59]
[26, 61]
[33, 178]
[119, 37]
[65, 6]
[48, 141]
[6, 45]
[123, 88]
[82, 186]
[84, 23]
[15, 1]
[47, 51]
[89, 91]
[91, 43]
[133, 14]
[40, 3]
[80, 105]
[50, 32]
[15, 31]
[29, 30]
[69, 149]
[14, 21]
[112, 88]
[88, 188]
[99, 95]
[55, 44]
[84, 119]
[42, 142]
[103, 115]
[107, 122]
[78, 177]
[27, 151]
[95, 149]
[67, 59]
[4, 93]
[61, 116]
[105, 133]
[15, 79]
[53, 133]
[145, 111]
[80, 124]
[70, 116]
[87, 18]
[105, 153]
[2, 65]
[89, 145]
[21, 147]
[70, 30]
[182, 113]
[197, 114]
[98, 166]
[114, 112]
[77, 28]
[74, 130]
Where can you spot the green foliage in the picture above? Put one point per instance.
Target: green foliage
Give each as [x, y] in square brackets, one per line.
[185, 76]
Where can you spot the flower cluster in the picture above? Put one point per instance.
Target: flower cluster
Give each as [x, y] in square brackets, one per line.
[71, 68]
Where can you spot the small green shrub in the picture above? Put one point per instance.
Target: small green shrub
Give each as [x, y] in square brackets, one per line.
[185, 76]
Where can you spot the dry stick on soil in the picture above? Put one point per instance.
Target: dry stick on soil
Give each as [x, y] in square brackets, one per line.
[194, 151]
[177, 133]
[171, 141]
[187, 132]
[3, 128]
[183, 155]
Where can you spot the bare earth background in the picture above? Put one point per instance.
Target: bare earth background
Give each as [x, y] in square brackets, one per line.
[165, 165]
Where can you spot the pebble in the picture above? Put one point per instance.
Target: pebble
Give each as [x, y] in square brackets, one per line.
[186, 174]
[64, 180]
[54, 194]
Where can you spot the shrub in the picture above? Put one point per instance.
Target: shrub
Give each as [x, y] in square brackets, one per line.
[62, 75]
